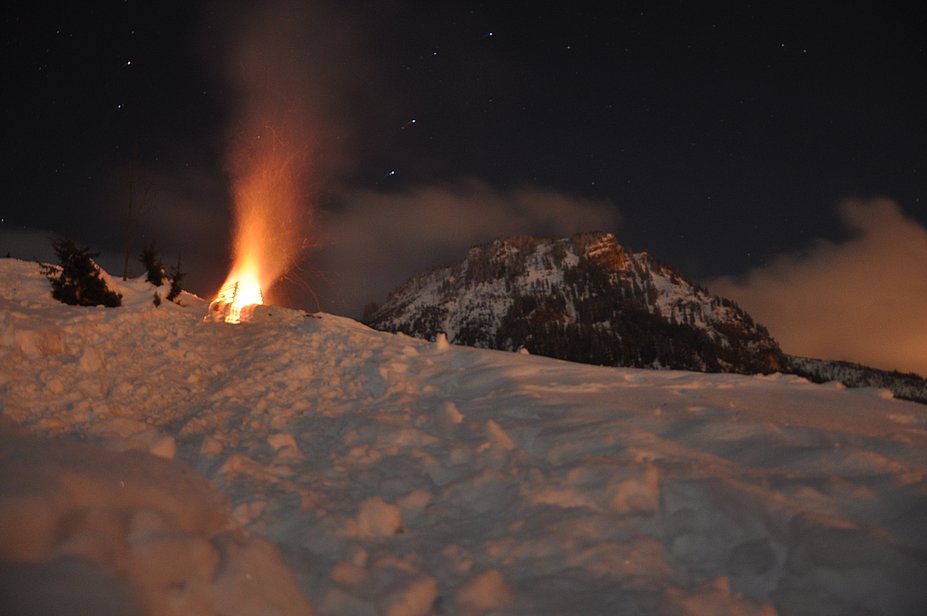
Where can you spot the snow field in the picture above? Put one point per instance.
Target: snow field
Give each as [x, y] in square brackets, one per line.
[367, 473]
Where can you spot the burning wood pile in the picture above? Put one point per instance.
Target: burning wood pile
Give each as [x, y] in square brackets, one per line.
[235, 301]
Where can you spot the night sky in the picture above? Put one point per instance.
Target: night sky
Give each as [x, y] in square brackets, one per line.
[722, 137]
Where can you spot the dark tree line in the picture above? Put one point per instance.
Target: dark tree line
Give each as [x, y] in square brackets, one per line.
[77, 279]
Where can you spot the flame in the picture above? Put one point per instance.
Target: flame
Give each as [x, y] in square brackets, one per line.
[269, 221]
[242, 289]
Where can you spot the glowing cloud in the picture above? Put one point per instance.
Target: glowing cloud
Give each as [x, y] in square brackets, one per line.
[375, 241]
[862, 300]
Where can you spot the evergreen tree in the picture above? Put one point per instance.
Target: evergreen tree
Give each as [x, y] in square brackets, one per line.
[176, 275]
[153, 266]
[76, 280]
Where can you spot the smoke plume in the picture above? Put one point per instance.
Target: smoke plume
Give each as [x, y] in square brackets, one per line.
[287, 135]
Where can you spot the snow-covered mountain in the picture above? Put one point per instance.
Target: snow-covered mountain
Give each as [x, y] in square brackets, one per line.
[152, 462]
[587, 299]
[584, 299]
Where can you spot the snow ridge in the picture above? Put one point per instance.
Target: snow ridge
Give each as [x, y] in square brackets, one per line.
[905, 386]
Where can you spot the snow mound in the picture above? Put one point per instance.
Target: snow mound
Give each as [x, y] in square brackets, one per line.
[156, 533]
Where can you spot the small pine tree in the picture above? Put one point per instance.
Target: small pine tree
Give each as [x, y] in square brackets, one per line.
[176, 275]
[76, 280]
[154, 269]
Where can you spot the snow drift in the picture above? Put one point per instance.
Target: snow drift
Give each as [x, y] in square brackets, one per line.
[349, 471]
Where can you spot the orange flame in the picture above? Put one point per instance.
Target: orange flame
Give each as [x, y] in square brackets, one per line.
[241, 290]
[269, 222]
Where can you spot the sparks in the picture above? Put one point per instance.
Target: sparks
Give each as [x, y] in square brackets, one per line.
[269, 222]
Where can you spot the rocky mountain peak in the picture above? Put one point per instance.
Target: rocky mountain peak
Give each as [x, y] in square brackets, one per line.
[584, 298]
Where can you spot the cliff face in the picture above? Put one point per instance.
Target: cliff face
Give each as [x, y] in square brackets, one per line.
[583, 299]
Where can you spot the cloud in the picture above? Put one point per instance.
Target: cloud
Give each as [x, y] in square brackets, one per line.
[375, 241]
[29, 244]
[863, 300]
[26, 243]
